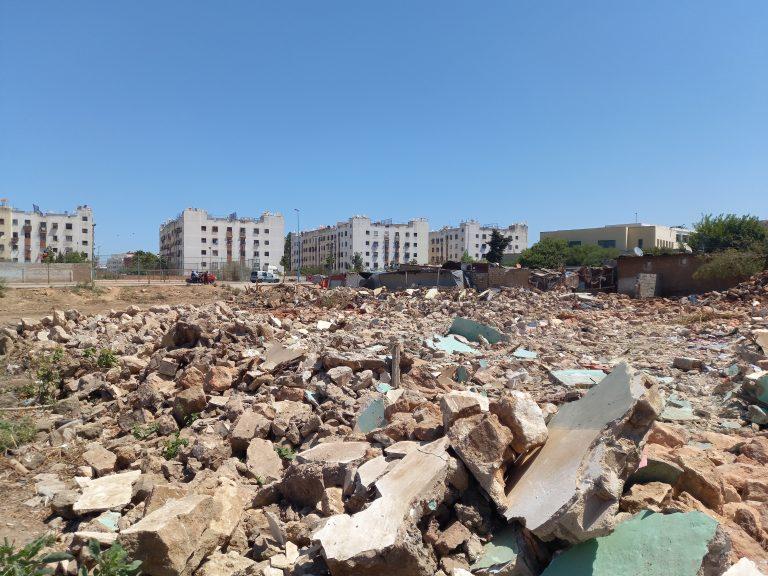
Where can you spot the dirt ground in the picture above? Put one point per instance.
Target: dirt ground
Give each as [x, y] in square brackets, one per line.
[37, 302]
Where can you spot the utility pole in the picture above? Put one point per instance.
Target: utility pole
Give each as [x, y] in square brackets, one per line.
[298, 245]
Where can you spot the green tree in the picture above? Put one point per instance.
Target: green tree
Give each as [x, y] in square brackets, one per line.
[715, 233]
[466, 258]
[146, 261]
[590, 255]
[357, 262]
[285, 261]
[496, 246]
[731, 263]
[329, 261]
[547, 253]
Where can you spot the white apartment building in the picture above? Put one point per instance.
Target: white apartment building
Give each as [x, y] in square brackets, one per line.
[195, 240]
[450, 243]
[380, 244]
[28, 236]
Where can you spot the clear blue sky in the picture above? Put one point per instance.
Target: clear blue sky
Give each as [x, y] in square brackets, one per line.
[558, 113]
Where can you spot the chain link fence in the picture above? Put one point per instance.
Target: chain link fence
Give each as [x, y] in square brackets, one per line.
[126, 267]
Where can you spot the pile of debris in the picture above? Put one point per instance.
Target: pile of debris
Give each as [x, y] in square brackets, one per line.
[296, 431]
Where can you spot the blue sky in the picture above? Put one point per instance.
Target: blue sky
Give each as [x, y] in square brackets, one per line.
[558, 113]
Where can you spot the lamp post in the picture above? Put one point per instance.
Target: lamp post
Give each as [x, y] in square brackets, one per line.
[298, 246]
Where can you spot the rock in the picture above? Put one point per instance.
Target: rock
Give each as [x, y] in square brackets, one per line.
[757, 415]
[451, 538]
[700, 478]
[263, 462]
[686, 363]
[218, 379]
[649, 543]
[174, 539]
[181, 335]
[570, 489]
[341, 375]
[757, 449]
[332, 502]
[461, 404]
[303, 484]
[100, 459]
[249, 425]
[520, 413]
[744, 567]
[645, 497]
[485, 447]
[668, 435]
[188, 402]
[229, 564]
[112, 492]
[383, 538]
[62, 503]
[511, 552]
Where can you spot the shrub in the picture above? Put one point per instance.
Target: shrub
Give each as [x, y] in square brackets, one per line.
[106, 359]
[15, 433]
[285, 453]
[48, 376]
[172, 446]
[731, 263]
[111, 562]
[27, 561]
[3, 287]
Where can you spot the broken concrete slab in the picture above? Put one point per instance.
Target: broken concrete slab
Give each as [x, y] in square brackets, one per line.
[577, 378]
[371, 416]
[263, 462]
[761, 337]
[677, 410]
[519, 412]
[524, 354]
[450, 344]
[100, 459]
[334, 452]
[757, 384]
[472, 330]
[106, 493]
[382, 539]
[510, 553]
[278, 356]
[649, 543]
[570, 489]
[462, 404]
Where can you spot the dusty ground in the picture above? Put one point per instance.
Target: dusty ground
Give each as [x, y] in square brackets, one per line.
[38, 302]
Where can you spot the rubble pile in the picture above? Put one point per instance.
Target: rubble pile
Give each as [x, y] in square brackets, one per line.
[298, 431]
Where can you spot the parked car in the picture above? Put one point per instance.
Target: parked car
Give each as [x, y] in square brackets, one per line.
[261, 276]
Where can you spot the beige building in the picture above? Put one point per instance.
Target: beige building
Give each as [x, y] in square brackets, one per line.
[380, 244]
[195, 240]
[450, 243]
[26, 236]
[625, 237]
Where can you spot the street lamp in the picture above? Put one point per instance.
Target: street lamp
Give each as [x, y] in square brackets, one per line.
[298, 245]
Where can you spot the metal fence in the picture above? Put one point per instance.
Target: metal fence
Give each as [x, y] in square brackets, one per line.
[125, 267]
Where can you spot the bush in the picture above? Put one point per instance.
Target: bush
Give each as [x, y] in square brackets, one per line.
[285, 453]
[3, 287]
[112, 562]
[15, 433]
[27, 561]
[173, 445]
[106, 359]
[716, 233]
[48, 376]
[731, 263]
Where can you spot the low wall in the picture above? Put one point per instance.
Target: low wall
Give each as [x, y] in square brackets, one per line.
[20, 272]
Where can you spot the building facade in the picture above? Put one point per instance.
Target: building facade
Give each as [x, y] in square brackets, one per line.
[450, 243]
[29, 236]
[625, 237]
[381, 245]
[195, 240]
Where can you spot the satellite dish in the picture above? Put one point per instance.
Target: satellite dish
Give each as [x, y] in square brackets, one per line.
[687, 248]
[638, 251]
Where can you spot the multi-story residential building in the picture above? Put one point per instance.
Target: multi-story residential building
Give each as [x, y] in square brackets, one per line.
[380, 244]
[625, 237]
[29, 236]
[450, 243]
[195, 240]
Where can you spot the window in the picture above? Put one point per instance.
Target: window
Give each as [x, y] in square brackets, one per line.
[68, 238]
[415, 244]
[85, 230]
[415, 234]
[266, 242]
[266, 230]
[639, 242]
[203, 265]
[607, 243]
[214, 229]
[85, 218]
[203, 252]
[68, 226]
[255, 230]
[204, 240]
[85, 242]
[367, 253]
[15, 222]
[367, 232]
[574, 243]
[266, 253]
[256, 253]
[242, 230]
[215, 252]
[2, 220]
[26, 222]
[203, 228]
[367, 242]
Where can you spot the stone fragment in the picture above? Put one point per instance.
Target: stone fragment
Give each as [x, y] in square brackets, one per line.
[687, 363]
[461, 404]
[383, 538]
[189, 401]
[341, 375]
[577, 378]
[249, 425]
[181, 334]
[229, 564]
[485, 447]
[650, 544]
[451, 538]
[278, 356]
[263, 462]
[473, 331]
[112, 492]
[100, 459]
[570, 489]
[334, 452]
[511, 552]
[174, 539]
[520, 413]
[645, 497]
[218, 379]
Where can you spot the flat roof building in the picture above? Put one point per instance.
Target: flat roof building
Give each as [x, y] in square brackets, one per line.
[625, 237]
[380, 244]
[195, 240]
[27, 236]
[450, 243]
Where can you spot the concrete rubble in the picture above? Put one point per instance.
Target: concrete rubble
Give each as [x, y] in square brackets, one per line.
[300, 431]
